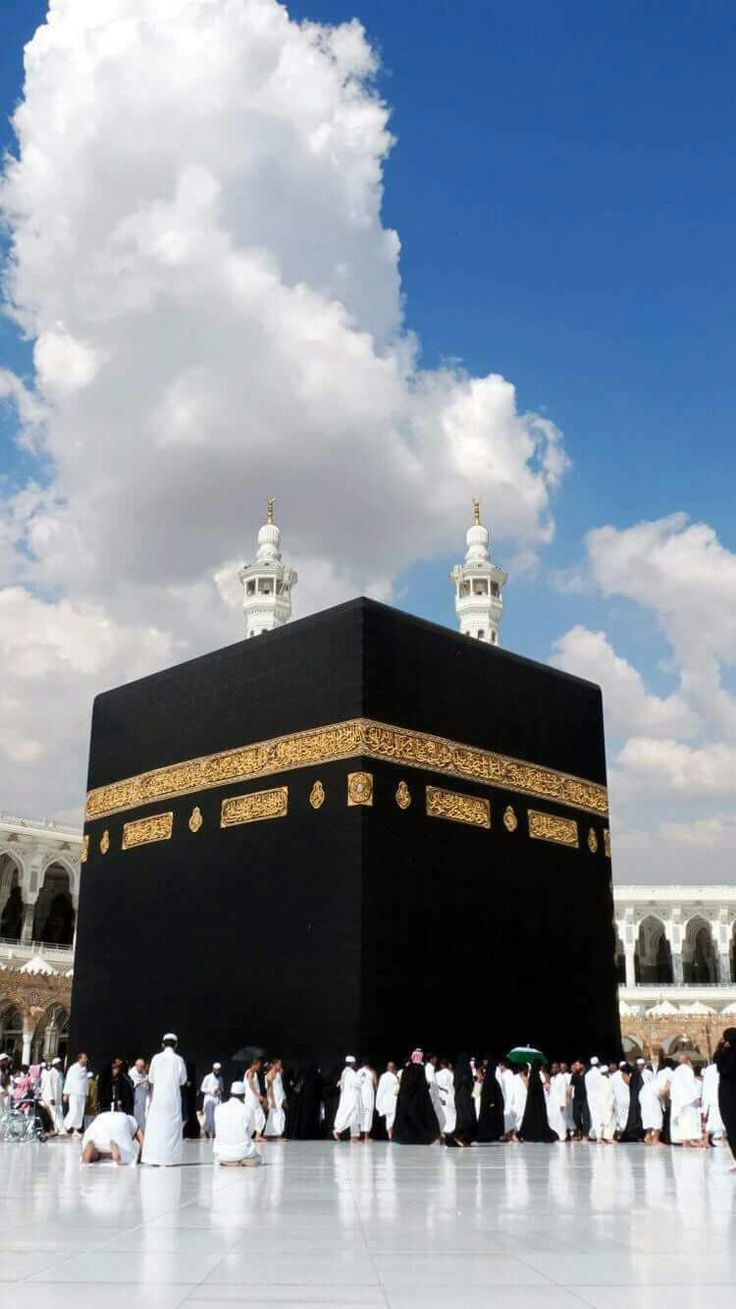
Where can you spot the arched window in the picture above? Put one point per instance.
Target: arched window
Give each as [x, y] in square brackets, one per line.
[699, 957]
[53, 919]
[51, 1035]
[652, 954]
[11, 1033]
[11, 899]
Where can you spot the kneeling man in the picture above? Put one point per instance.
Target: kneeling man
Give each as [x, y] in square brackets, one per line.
[235, 1123]
[112, 1135]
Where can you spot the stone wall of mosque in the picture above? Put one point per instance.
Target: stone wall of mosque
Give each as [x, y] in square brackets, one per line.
[676, 957]
[39, 895]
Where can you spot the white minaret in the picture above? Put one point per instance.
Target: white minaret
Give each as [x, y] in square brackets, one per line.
[267, 583]
[478, 585]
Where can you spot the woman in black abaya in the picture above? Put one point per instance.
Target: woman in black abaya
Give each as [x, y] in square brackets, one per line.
[304, 1105]
[725, 1061]
[490, 1119]
[466, 1125]
[634, 1130]
[535, 1123]
[416, 1121]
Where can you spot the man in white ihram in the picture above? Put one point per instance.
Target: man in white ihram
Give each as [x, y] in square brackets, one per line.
[235, 1123]
[349, 1105]
[52, 1084]
[76, 1085]
[164, 1125]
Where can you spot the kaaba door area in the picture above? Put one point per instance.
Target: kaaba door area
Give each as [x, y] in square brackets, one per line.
[357, 832]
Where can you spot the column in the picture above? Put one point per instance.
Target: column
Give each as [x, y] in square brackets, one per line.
[629, 949]
[673, 930]
[28, 1030]
[26, 932]
[677, 973]
[723, 945]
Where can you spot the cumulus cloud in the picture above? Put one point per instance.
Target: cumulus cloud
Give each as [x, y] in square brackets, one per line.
[197, 253]
[629, 707]
[674, 757]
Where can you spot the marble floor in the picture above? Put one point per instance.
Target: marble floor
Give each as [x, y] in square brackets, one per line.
[321, 1224]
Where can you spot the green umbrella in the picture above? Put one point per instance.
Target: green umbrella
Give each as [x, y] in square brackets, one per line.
[526, 1054]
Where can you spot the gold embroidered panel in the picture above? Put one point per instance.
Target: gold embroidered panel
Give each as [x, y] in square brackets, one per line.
[356, 737]
[157, 827]
[457, 807]
[607, 843]
[84, 856]
[360, 789]
[255, 807]
[548, 827]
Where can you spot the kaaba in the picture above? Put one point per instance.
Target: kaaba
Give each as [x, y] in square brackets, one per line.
[358, 832]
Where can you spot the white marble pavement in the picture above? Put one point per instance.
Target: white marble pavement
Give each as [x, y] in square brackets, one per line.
[555, 1227]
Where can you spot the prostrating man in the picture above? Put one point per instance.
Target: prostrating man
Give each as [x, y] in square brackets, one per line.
[52, 1091]
[349, 1107]
[235, 1124]
[112, 1135]
[416, 1121]
[212, 1089]
[76, 1085]
[167, 1075]
[388, 1089]
[725, 1061]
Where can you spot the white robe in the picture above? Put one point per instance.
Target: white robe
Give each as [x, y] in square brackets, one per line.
[651, 1107]
[164, 1125]
[212, 1088]
[140, 1095]
[52, 1088]
[518, 1105]
[447, 1116]
[235, 1124]
[367, 1099]
[622, 1097]
[430, 1072]
[685, 1101]
[557, 1104]
[506, 1081]
[603, 1121]
[113, 1126]
[388, 1090]
[276, 1120]
[349, 1108]
[713, 1121]
[76, 1085]
[253, 1098]
[593, 1078]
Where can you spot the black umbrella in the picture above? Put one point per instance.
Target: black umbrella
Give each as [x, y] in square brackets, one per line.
[247, 1054]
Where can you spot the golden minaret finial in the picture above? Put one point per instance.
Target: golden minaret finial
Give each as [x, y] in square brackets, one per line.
[269, 509]
[476, 512]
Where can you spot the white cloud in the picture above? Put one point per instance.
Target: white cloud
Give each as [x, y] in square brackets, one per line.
[628, 705]
[673, 758]
[55, 657]
[199, 257]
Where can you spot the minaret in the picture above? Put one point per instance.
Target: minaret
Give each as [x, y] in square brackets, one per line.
[478, 585]
[267, 583]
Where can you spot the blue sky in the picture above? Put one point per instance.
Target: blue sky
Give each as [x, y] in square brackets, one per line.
[564, 186]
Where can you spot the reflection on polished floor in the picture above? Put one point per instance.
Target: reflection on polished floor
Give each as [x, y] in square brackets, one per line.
[614, 1227]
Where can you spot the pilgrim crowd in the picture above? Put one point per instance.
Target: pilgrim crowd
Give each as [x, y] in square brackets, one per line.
[144, 1110]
